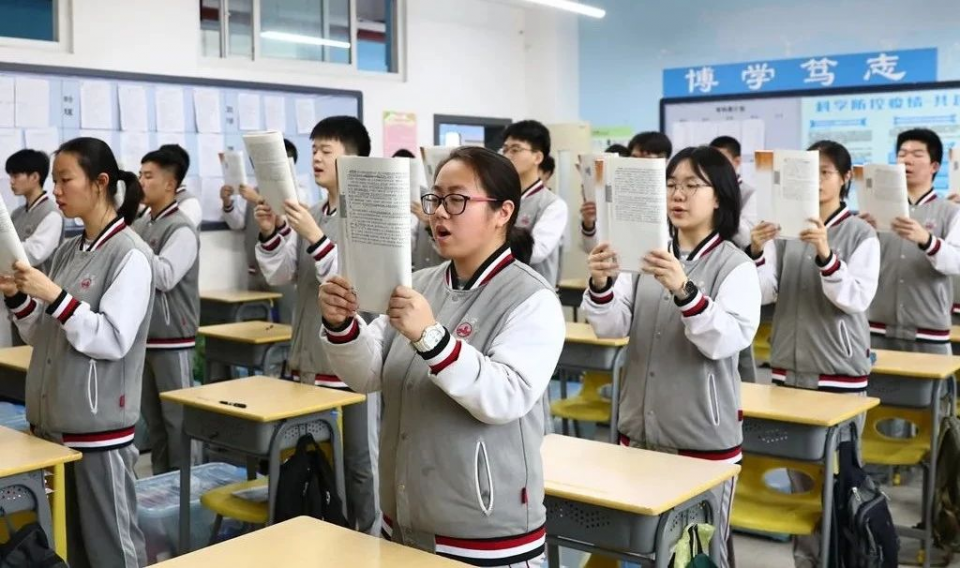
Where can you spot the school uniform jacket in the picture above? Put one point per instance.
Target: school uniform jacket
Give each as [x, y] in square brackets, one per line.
[682, 387]
[239, 216]
[190, 206]
[285, 257]
[85, 375]
[821, 337]
[460, 468]
[915, 295]
[175, 244]
[545, 216]
[40, 226]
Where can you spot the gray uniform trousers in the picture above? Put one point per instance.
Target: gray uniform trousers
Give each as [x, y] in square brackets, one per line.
[165, 370]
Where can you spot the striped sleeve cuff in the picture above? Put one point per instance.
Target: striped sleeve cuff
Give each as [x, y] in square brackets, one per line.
[829, 265]
[271, 242]
[443, 355]
[588, 232]
[63, 307]
[320, 249]
[345, 333]
[21, 305]
[602, 295]
[757, 260]
[228, 209]
[284, 230]
[694, 305]
[932, 246]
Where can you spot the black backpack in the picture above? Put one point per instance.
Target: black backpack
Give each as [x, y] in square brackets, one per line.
[863, 534]
[28, 548]
[307, 486]
[946, 502]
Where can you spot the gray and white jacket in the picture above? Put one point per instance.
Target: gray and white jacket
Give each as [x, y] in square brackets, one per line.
[40, 227]
[89, 343]
[460, 467]
[544, 214]
[681, 389]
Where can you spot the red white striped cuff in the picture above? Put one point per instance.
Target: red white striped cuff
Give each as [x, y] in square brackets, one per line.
[600, 295]
[99, 441]
[320, 249]
[505, 551]
[588, 232]
[733, 455]
[446, 353]
[694, 305]
[830, 265]
[346, 333]
[956, 309]
[63, 307]
[21, 305]
[932, 247]
[284, 230]
[271, 243]
[172, 343]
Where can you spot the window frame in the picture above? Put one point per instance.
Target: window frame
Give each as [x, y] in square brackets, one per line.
[256, 60]
[61, 25]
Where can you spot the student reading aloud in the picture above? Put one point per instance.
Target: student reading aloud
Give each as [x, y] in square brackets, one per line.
[822, 284]
[87, 323]
[689, 313]
[463, 360]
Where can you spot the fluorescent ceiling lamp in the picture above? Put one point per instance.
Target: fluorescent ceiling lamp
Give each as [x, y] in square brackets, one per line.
[571, 6]
[297, 38]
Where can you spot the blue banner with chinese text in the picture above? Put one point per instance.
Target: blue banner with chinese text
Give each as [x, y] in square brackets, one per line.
[820, 72]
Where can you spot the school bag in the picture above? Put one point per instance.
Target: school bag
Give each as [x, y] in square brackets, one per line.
[28, 548]
[946, 502]
[691, 551]
[307, 486]
[863, 533]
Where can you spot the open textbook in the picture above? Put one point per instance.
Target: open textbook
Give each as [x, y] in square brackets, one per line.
[635, 207]
[234, 171]
[590, 167]
[763, 185]
[11, 249]
[375, 238]
[883, 194]
[796, 190]
[275, 180]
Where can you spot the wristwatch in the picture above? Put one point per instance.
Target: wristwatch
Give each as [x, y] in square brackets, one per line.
[431, 337]
[686, 292]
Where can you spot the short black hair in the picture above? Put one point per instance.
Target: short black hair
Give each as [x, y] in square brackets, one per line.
[532, 132]
[651, 142]
[168, 160]
[548, 165]
[347, 130]
[291, 150]
[728, 143]
[928, 137]
[839, 157]
[715, 169]
[403, 153]
[180, 152]
[29, 162]
[619, 149]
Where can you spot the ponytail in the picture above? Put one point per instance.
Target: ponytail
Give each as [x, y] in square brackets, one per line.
[128, 203]
[521, 243]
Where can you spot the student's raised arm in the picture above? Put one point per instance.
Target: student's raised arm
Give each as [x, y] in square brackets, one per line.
[548, 232]
[45, 239]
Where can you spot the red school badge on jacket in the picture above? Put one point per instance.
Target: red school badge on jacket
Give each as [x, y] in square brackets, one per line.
[465, 328]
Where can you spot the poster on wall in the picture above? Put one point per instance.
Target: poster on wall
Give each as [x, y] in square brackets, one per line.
[399, 132]
[602, 137]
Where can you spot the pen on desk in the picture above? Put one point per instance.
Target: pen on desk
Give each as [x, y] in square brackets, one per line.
[236, 404]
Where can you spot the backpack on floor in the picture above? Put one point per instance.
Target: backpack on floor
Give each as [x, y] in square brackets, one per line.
[28, 547]
[863, 534]
[946, 500]
[307, 486]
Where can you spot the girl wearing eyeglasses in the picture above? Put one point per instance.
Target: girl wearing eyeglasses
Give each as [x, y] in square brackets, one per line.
[822, 285]
[463, 359]
[689, 312]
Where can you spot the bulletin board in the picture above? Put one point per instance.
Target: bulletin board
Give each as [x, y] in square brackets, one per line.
[41, 107]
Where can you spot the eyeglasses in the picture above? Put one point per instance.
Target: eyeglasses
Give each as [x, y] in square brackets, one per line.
[827, 173]
[514, 149]
[688, 189]
[454, 203]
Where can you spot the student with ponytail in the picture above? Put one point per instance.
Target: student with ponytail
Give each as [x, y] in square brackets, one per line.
[88, 325]
[462, 359]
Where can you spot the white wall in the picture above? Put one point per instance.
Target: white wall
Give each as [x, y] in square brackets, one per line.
[464, 57]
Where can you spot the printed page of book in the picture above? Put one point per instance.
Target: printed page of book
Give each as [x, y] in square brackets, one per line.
[884, 194]
[796, 190]
[275, 180]
[636, 197]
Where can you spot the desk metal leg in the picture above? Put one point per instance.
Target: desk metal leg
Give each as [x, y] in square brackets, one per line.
[185, 497]
[829, 459]
[59, 506]
[553, 555]
[618, 362]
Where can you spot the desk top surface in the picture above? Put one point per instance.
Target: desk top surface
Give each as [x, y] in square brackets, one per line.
[22, 453]
[16, 358]
[262, 399]
[801, 406]
[626, 479]
[252, 332]
[305, 541]
[238, 296]
[583, 333]
[915, 365]
[573, 284]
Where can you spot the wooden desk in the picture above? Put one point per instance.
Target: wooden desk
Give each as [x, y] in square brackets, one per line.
[24, 459]
[259, 417]
[800, 406]
[570, 291]
[626, 488]
[252, 344]
[915, 365]
[14, 362]
[305, 541]
[583, 351]
[227, 306]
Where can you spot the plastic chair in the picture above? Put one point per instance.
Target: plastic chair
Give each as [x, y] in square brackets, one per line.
[881, 449]
[587, 405]
[759, 507]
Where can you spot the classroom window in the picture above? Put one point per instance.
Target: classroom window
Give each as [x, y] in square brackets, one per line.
[377, 35]
[210, 27]
[311, 30]
[30, 20]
